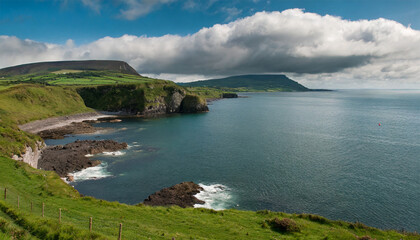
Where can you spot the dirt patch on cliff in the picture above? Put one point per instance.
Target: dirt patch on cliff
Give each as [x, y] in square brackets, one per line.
[64, 159]
[181, 195]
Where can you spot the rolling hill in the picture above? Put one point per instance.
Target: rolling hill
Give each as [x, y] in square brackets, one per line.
[89, 65]
[243, 83]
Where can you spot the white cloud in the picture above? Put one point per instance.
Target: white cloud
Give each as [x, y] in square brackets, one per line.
[231, 12]
[318, 50]
[95, 5]
[137, 8]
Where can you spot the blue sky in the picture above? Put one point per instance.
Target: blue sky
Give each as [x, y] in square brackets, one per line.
[56, 21]
[320, 43]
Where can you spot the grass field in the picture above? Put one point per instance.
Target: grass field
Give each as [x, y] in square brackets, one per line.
[75, 77]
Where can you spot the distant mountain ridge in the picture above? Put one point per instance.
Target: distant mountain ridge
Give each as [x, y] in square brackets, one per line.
[257, 82]
[92, 65]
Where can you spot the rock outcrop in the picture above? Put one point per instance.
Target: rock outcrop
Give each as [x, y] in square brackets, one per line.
[31, 156]
[72, 156]
[181, 195]
[73, 128]
[229, 95]
[193, 104]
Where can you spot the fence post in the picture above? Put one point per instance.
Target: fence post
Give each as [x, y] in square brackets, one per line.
[5, 194]
[120, 233]
[59, 216]
[90, 224]
[43, 206]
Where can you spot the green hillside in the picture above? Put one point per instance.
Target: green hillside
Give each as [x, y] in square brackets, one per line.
[251, 83]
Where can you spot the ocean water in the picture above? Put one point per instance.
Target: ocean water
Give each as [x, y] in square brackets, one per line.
[349, 155]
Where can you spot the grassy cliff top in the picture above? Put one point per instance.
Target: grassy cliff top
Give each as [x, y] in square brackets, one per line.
[89, 65]
[66, 77]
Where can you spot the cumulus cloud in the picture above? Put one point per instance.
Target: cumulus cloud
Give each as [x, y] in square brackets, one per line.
[322, 49]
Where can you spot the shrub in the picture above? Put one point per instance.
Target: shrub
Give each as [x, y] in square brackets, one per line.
[284, 225]
[314, 218]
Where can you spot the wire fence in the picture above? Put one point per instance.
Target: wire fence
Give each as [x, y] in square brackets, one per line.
[24, 204]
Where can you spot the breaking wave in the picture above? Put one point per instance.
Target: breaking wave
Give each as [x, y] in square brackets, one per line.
[116, 153]
[92, 173]
[216, 196]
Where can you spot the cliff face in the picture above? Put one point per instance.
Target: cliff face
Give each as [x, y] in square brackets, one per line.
[147, 99]
[31, 156]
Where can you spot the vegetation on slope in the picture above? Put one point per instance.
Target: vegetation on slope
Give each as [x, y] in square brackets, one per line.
[250, 83]
[74, 78]
[24, 103]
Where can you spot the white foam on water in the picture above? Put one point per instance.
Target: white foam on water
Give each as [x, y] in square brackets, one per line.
[92, 173]
[215, 196]
[116, 153]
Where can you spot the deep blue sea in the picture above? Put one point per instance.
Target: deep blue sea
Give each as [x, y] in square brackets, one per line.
[352, 155]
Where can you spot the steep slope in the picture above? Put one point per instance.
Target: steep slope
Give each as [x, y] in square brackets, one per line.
[43, 67]
[251, 83]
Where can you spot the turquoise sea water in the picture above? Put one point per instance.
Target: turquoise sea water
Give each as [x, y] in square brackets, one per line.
[312, 152]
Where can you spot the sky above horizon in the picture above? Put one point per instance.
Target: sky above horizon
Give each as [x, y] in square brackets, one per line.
[322, 44]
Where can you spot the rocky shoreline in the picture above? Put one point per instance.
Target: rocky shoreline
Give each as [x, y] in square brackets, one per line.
[73, 157]
[69, 158]
[182, 194]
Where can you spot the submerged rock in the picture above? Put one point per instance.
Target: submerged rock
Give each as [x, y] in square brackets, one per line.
[181, 194]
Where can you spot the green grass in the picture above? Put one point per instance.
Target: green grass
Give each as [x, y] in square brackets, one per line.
[206, 92]
[145, 222]
[76, 78]
[24, 103]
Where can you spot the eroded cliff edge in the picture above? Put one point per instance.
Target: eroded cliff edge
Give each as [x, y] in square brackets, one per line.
[142, 99]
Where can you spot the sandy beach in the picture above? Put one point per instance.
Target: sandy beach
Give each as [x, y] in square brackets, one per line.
[56, 122]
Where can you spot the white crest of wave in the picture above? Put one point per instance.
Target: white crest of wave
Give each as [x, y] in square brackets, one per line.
[116, 153]
[215, 196]
[91, 173]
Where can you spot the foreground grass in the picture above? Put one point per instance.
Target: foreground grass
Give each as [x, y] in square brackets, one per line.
[144, 222]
